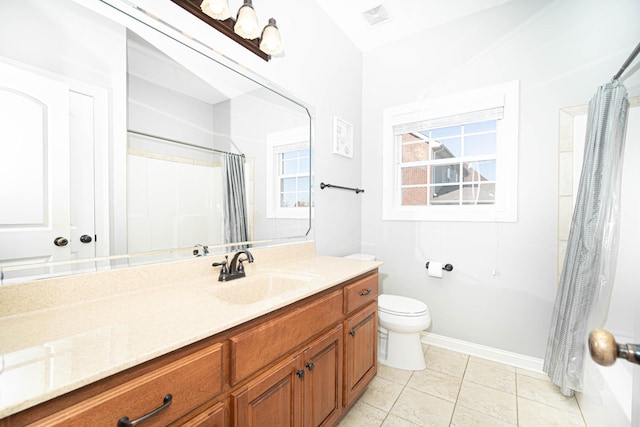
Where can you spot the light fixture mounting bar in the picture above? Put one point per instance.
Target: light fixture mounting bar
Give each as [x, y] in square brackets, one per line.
[225, 27]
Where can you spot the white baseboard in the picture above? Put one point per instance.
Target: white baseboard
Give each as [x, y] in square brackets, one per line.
[485, 352]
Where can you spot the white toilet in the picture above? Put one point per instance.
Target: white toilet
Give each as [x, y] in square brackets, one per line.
[400, 319]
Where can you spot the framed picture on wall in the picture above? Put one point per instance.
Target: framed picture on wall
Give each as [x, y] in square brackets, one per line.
[342, 137]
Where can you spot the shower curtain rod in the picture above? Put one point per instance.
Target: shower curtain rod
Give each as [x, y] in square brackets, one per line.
[627, 63]
[187, 144]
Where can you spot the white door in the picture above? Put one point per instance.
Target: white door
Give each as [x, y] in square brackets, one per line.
[625, 298]
[619, 399]
[632, 233]
[34, 167]
[49, 130]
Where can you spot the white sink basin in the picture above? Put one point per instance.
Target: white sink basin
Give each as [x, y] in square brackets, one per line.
[249, 290]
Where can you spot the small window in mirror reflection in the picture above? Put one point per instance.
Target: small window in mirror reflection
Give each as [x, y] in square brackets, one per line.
[293, 175]
[289, 181]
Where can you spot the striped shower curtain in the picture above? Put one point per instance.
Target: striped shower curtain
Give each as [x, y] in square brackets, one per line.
[235, 200]
[582, 300]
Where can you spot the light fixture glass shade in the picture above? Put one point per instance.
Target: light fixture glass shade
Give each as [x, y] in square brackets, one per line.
[217, 9]
[270, 42]
[247, 22]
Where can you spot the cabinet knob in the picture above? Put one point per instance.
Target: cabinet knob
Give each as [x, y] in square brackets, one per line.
[300, 373]
[352, 332]
[85, 238]
[309, 366]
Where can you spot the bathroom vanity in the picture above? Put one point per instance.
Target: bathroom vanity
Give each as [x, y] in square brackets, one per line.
[294, 345]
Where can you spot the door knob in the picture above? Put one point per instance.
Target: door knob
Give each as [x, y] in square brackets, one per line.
[61, 241]
[85, 238]
[605, 350]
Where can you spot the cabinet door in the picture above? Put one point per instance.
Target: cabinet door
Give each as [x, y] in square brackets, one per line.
[214, 416]
[323, 380]
[361, 351]
[272, 399]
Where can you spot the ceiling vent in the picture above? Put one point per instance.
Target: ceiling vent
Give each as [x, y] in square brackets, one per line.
[377, 15]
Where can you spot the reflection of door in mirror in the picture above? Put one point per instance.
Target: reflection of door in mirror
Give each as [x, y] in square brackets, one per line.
[47, 129]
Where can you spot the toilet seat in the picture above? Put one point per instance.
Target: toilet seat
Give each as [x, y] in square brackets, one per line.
[401, 306]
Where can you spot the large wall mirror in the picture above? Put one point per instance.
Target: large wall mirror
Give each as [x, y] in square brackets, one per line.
[124, 142]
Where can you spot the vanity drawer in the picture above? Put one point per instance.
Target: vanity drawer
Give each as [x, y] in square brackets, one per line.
[191, 381]
[361, 292]
[264, 343]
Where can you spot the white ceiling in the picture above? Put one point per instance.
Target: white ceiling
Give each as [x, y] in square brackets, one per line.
[407, 17]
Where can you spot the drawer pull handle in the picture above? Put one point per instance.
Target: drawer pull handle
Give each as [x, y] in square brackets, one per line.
[124, 421]
[365, 293]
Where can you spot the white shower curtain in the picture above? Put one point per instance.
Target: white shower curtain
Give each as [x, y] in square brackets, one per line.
[582, 300]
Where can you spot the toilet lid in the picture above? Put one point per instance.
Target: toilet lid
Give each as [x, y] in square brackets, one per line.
[401, 306]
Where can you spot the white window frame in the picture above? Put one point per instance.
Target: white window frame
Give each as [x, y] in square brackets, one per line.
[275, 140]
[504, 209]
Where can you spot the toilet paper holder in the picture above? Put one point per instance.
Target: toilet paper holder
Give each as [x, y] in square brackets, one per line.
[446, 267]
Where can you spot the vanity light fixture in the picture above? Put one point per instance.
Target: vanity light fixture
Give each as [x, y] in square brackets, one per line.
[217, 9]
[270, 42]
[244, 29]
[247, 22]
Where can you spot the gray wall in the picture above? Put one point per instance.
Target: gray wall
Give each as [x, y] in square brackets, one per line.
[561, 51]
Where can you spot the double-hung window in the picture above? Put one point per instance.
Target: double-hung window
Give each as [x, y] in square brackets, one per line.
[453, 158]
[289, 174]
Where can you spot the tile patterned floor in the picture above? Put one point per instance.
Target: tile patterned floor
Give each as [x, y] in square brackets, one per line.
[457, 390]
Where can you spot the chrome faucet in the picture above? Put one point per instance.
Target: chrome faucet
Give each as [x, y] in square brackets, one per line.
[200, 250]
[235, 269]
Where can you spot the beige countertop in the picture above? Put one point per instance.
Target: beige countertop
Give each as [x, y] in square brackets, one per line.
[57, 335]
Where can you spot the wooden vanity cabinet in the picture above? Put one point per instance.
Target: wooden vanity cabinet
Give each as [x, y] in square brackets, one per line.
[301, 365]
[303, 390]
[360, 336]
[319, 382]
[361, 351]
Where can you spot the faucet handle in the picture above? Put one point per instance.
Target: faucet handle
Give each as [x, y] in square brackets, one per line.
[240, 266]
[223, 264]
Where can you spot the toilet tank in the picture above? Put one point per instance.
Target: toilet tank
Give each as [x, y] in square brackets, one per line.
[363, 257]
